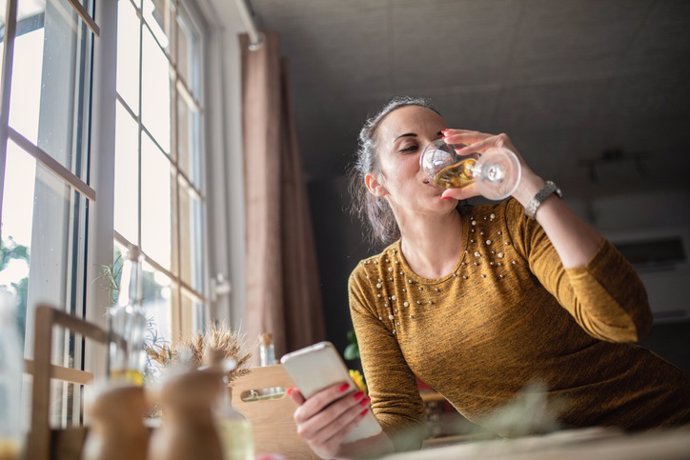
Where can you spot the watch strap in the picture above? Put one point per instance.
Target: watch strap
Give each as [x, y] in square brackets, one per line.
[546, 191]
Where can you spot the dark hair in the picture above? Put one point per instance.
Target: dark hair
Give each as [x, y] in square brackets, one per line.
[369, 208]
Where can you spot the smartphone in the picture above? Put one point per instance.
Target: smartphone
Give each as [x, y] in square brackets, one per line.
[319, 366]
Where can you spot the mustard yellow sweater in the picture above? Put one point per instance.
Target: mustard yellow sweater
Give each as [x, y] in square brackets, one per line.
[509, 314]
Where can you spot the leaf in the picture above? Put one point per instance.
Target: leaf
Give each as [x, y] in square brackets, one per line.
[351, 352]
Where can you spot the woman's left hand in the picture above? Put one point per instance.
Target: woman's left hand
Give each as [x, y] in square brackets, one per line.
[469, 142]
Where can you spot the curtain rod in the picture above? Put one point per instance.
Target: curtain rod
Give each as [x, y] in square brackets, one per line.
[256, 38]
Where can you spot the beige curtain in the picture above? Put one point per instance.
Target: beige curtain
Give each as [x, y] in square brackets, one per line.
[282, 284]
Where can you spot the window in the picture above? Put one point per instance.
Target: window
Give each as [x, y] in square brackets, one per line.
[159, 189]
[44, 157]
[47, 168]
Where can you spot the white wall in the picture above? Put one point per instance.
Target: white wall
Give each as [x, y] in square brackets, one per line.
[642, 217]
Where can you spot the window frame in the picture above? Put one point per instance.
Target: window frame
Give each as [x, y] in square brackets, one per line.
[219, 132]
[78, 191]
[181, 320]
[225, 168]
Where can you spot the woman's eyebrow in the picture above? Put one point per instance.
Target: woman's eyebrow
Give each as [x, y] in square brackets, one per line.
[405, 135]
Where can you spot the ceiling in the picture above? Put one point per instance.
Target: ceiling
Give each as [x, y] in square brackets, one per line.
[566, 79]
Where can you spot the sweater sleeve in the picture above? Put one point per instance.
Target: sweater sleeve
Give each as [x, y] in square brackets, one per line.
[605, 297]
[395, 400]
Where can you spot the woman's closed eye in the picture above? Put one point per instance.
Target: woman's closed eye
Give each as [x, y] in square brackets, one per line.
[409, 148]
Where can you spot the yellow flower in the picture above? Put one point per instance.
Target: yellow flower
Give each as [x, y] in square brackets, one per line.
[358, 379]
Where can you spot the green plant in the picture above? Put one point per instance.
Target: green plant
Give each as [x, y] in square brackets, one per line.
[111, 274]
[352, 349]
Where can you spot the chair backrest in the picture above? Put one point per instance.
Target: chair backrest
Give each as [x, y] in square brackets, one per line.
[260, 396]
[44, 442]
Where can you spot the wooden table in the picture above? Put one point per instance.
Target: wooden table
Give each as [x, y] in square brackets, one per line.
[589, 443]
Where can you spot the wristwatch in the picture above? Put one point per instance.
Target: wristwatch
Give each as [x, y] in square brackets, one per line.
[541, 196]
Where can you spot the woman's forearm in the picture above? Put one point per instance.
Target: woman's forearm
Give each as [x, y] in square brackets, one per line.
[372, 447]
[575, 241]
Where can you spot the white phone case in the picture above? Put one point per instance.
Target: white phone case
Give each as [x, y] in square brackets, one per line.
[319, 366]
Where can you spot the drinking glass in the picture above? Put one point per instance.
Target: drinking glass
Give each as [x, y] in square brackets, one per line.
[495, 172]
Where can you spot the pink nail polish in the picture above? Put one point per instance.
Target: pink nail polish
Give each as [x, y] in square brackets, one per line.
[343, 387]
[364, 412]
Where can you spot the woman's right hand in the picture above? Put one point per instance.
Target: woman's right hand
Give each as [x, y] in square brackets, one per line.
[328, 416]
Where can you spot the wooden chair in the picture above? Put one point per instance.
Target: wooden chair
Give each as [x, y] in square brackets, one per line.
[260, 396]
[43, 442]
[270, 415]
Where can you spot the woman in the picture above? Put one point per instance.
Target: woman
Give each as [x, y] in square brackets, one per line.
[480, 302]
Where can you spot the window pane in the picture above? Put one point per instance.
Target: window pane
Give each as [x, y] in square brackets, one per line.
[188, 141]
[126, 219]
[156, 203]
[63, 410]
[50, 79]
[128, 54]
[42, 219]
[17, 212]
[156, 92]
[187, 52]
[191, 238]
[26, 77]
[172, 241]
[193, 314]
[158, 305]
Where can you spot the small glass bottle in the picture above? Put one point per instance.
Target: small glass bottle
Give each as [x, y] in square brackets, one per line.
[11, 362]
[267, 353]
[127, 320]
[234, 429]
[267, 357]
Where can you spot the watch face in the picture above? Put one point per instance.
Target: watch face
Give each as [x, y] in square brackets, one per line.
[556, 189]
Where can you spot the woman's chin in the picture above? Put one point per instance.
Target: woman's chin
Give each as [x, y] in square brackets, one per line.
[439, 203]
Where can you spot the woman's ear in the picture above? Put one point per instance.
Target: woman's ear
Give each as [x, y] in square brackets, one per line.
[374, 186]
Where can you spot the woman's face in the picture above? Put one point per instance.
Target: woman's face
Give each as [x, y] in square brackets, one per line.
[400, 139]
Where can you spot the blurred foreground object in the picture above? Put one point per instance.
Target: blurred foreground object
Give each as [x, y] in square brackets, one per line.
[189, 427]
[11, 368]
[128, 321]
[117, 428]
[234, 429]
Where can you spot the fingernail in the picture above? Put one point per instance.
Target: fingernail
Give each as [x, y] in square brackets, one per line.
[364, 402]
[289, 391]
[357, 395]
[343, 387]
[364, 412]
[446, 198]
